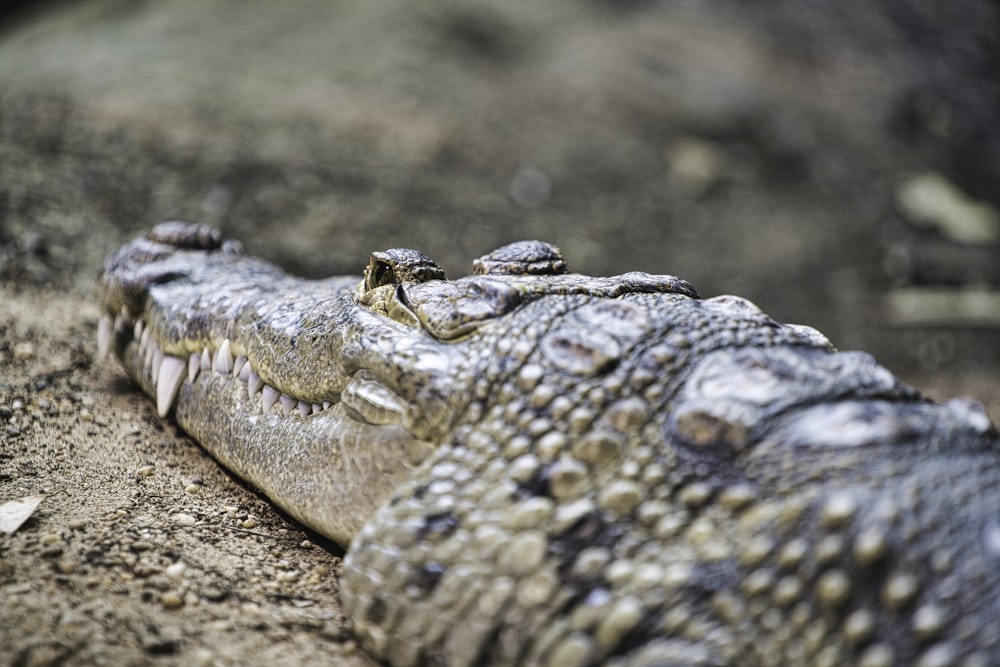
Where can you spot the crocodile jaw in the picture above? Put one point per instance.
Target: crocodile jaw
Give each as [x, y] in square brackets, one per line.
[336, 469]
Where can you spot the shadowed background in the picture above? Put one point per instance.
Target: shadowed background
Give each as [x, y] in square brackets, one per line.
[834, 162]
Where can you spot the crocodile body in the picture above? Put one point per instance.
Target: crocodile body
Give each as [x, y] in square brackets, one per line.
[533, 467]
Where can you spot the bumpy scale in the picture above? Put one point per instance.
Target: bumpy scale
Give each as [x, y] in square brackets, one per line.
[533, 467]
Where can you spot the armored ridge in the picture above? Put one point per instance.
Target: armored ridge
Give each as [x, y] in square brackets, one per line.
[532, 466]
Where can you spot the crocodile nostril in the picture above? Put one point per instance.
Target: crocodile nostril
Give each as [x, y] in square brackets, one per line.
[186, 235]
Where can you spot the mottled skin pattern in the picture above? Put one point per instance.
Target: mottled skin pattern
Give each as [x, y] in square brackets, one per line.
[536, 467]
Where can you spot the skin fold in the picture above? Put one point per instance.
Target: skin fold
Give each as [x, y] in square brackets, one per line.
[534, 467]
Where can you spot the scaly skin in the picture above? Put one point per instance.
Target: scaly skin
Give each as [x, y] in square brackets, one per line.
[536, 467]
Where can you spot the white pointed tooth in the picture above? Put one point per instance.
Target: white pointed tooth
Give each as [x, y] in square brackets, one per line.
[304, 408]
[194, 366]
[104, 326]
[147, 355]
[316, 407]
[223, 359]
[137, 329]
[168, 383]
[121, 320]
[254, 384]
[269, 397]
[206, 360]
[287, 404]
[157, 362]
[144, 342]
[326, 405]
[243, 364]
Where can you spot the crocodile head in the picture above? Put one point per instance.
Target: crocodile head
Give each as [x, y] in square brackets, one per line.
[354, 380]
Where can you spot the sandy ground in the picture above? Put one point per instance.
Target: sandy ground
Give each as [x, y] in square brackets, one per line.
[750, 148]
[143, 550]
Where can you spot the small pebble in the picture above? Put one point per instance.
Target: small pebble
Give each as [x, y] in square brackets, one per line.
[146, 471]
[176, 571]
[250, 523]
[214, 593]
[184, 519]
[143, 570]
[192, 489]
[24, 350]
[171, 600]
[65, 567]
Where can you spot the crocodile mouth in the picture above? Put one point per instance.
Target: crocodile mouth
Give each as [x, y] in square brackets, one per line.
[340, 456]
[364, 398]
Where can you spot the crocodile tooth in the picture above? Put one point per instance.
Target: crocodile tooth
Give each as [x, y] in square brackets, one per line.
[103, 336]
[375, 402]
[157, 362]
[287, 404]
[137, 330]
[194, 366]
[254, 383]
[304, 408]
[269, 397]
[327, 404]
[168, 383]
[245, 369]
[223, 359]
[144, 342]
[316, 407]
[121, 320]
[147, 354]
[206, 360]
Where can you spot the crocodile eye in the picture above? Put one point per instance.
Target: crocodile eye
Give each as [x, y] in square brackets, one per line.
[379, 273]
[388, 272]
[398, 266]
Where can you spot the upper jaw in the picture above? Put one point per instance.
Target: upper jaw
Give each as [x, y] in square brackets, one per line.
[403, 387]
[385, 373]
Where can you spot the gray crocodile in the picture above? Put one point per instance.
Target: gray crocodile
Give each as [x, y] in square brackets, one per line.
[534, 467]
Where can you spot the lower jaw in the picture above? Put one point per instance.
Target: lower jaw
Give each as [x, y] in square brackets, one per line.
[325, 469]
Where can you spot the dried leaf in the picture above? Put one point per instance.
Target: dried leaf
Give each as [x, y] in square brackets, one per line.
[14, 513]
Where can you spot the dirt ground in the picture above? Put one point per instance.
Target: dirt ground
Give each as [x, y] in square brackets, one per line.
[756, 152]
[143, 550]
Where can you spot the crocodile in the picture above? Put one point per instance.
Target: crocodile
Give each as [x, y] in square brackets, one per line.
[528, 466]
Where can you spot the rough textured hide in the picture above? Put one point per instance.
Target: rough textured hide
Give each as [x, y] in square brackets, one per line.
[538, 467]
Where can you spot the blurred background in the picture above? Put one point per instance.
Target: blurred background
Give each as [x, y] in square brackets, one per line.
[837, 163]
